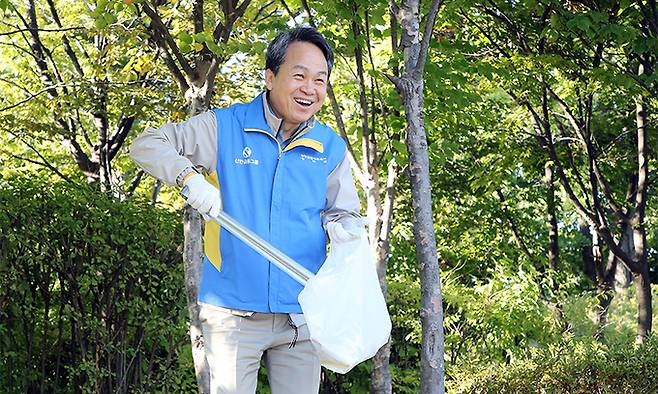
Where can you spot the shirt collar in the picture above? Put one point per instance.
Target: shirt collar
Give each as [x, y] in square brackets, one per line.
[275, 122]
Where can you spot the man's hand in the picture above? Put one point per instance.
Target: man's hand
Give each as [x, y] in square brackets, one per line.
[339, 233]
[203, 196]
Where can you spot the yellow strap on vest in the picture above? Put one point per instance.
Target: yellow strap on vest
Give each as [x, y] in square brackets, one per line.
[307, 142]
[211, 231]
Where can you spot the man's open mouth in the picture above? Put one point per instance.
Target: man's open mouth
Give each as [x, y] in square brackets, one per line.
[303, 102]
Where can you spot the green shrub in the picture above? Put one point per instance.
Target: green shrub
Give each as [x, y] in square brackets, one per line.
[91, 290]
[571, 367]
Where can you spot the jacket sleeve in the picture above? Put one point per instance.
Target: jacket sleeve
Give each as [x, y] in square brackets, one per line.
[342, 203]
[169, 150]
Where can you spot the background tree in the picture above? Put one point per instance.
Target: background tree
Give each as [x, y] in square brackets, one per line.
[86, 79]
[562, 109]
[410, 87]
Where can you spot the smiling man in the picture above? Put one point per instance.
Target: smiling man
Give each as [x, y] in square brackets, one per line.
[271, 165]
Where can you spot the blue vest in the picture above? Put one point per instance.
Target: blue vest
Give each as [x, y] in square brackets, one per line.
[277, 192]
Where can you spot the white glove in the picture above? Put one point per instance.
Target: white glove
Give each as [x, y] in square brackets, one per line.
[203, 196]
[338, 233]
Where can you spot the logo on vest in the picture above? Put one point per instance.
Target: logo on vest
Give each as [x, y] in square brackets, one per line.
[319, 159]
[246, 153]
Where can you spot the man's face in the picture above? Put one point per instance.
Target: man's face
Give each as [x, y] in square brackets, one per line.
[298, 90]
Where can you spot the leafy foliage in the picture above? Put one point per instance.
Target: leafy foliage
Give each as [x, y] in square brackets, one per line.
[90, 289]
[572, 367]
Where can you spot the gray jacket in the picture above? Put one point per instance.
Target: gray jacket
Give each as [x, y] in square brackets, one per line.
[173, 150]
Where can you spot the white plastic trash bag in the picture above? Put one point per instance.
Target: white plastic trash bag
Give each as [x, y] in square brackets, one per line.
[343, 304]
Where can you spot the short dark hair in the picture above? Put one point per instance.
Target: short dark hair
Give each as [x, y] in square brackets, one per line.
[276, 50]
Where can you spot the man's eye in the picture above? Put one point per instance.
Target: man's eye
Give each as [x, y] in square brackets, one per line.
[298, 76]
[320, 81]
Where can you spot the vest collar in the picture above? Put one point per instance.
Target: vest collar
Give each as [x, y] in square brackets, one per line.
[261, 118]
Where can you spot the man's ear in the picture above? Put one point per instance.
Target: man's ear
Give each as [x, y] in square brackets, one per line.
[269, 79]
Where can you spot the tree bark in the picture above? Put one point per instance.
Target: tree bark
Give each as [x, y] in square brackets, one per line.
[643, 296]
[410, 87]
[553, 246]
[623, 276]
[604, 283]
[641, 276]
[587, 252]
[380, 382]
[193, 259]
[431, 312]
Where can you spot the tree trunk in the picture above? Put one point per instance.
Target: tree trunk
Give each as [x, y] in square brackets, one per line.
[643, 296]
[553, 246]
[623, 276]
[604, 283]
[587, 252]
[410, 87]
[193, 259]
[642, 282]
[380, 378]
[431, 313]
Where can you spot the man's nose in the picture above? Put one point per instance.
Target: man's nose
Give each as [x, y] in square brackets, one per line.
[307, 87]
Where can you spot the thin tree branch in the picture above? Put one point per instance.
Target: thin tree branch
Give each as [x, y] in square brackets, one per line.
[33, 96]
[484, 33]
[261, 10]
[31, 29]
[210, 77]
[116, 141]
[134, 183]
[503, 17]
[515, 230]
[125, 123]
[85, 134]
[166, 38]
[366, 150]
[197, 15]
[427, 36]
[44, 164]
[234, 16]
[288, 10]
[25, 51]
[36, 45]
[170, 62]
[577, 175]
[13, 83]
[67, 47]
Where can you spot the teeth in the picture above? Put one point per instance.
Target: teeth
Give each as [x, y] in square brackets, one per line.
[303, 102]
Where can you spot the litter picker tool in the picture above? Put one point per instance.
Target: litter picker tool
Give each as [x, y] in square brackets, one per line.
[264, 248]
[343, 304]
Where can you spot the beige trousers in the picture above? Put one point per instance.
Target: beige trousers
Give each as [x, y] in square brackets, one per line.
[236, 340]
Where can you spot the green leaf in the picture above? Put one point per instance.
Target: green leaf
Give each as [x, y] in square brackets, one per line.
[216, 49]
[204, 37]
[185, 38]
[185, 47]
[399, 146]
[580, 22]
